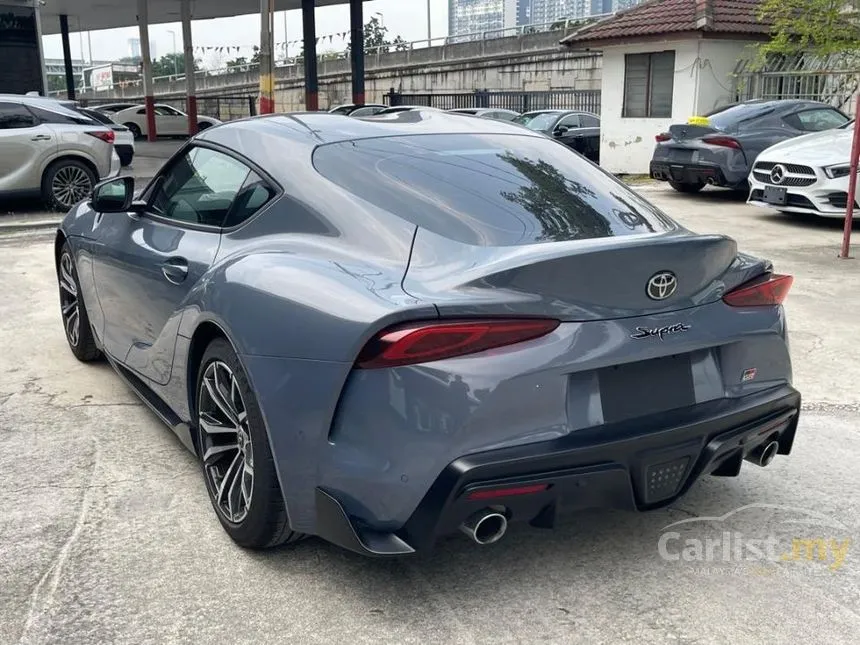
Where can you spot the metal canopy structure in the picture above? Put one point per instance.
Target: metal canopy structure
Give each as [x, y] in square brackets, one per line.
[55, 15]
[111, 14]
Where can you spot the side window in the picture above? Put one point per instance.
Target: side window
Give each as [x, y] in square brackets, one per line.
[65, 118]
[254, 194]
[816, 120]
[570, 121]
[142, 111]
[200, 187]
[14, 116]
[589, 121]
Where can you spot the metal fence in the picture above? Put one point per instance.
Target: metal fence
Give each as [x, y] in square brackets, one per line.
[585, 100]
[222, 107]
[833, 79]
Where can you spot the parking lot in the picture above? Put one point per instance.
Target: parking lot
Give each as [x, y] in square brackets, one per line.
[107, 535]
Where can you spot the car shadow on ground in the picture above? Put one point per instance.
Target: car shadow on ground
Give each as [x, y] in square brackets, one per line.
[585, 545]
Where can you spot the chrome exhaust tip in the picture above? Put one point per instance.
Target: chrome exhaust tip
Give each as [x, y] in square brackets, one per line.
[485, 527]
[763, 454]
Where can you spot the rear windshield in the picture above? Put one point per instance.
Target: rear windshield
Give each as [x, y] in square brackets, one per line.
[729, 117]
[489, 190]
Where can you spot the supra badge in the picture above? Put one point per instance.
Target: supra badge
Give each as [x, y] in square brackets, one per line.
[659, 332]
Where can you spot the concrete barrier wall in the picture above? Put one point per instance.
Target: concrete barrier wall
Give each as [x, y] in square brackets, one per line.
[528, 62]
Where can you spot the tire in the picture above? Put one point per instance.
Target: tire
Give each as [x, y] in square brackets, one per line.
[76, 323]
[135, 130]
[686, 187]
[66, 182]
[250, 508]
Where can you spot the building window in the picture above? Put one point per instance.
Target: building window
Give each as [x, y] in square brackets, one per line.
[648, 83]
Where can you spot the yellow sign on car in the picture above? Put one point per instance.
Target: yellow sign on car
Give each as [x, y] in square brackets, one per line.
[699, 120]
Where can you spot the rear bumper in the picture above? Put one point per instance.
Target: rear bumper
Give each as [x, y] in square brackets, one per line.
[642, 464]
[695, 173]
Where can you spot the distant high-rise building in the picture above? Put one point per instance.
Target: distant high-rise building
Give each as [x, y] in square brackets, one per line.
[134, 48]
[477, 16]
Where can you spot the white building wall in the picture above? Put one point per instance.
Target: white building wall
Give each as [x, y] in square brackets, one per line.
[702, 82]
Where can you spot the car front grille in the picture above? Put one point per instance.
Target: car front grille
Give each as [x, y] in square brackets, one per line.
[790, 167]
[799, 182]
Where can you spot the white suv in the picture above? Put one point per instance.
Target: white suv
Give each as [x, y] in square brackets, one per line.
[49, 150]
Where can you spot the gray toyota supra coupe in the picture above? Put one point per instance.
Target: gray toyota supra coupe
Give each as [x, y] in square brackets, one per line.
[382, 330]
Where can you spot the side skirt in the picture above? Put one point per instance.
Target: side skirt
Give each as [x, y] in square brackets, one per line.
[154, 403]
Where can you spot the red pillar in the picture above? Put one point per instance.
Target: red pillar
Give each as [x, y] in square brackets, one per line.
[148, 92]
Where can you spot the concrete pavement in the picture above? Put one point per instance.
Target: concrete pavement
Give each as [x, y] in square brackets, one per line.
[107, 535]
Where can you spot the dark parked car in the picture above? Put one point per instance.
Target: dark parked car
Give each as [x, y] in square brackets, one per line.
[350, 108]
[488, 113]
[720, 148]
[406, 108]
[366, 110]
[576, 129]
[381, 330]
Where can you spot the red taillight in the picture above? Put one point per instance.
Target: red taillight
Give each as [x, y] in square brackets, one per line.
[427, 342]
[762, 292]
[719, 140]
[493, 493]
[107, 136]
[663, 136]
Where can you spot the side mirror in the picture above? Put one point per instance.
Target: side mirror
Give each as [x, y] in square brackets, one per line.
[560, 130]
[113, 195]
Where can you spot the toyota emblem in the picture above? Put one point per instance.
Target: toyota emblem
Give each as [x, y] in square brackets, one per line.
[777, 174]
[661, 285]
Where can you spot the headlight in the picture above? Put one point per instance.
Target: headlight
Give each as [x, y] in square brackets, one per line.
[837, 171]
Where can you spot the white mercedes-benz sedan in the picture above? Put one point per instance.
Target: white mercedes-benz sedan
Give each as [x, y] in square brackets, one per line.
[807, 174]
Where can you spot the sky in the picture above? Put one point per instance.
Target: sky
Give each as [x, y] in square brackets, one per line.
[405, 18]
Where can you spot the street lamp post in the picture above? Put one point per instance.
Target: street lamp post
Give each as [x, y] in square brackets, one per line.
[429, 27]
[175, 56]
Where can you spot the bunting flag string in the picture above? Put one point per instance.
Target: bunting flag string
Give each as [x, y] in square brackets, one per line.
[231, 49]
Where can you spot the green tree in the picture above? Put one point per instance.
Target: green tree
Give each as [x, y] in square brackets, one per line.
[171, 64]
[810, 26]
[376, 39]
[563, 207]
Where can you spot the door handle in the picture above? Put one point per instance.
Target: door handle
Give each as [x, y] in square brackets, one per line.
[41, 137]
[175, 270]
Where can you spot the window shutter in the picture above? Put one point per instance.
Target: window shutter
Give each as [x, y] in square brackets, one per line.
[662, 84]
[636, 85]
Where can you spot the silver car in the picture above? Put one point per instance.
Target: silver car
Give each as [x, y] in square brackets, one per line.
[49, 150]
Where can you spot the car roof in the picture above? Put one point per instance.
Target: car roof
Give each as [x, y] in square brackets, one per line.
[33, 100]
[257, 137]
